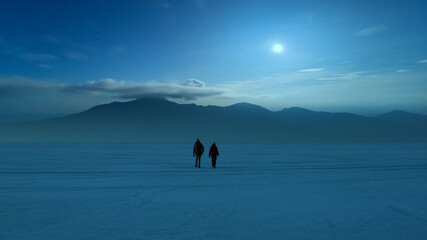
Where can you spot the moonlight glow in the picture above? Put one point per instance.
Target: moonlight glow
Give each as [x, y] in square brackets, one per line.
[277, 48]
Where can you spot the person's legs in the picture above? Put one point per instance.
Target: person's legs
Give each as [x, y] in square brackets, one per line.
[214, 161]
[196, 161]
[198, 158]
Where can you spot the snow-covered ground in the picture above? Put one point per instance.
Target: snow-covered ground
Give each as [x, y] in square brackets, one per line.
[258, 191]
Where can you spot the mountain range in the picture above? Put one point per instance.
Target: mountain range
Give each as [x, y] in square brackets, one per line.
[159, 120]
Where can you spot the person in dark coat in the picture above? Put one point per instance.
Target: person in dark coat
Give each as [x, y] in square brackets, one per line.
[198, 150]
[213, 153]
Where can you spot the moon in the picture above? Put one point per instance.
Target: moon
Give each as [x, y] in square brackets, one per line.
[277, 48]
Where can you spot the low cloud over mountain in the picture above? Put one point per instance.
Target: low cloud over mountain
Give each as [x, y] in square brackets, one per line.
[190, 90]
[23, 96]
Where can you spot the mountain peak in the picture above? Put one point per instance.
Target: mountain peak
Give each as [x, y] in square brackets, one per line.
[247, 106]
[298, 109]
[398, 116]
[150, 99]
[399, 113]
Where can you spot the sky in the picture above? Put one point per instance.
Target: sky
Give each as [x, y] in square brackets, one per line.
[62, 57]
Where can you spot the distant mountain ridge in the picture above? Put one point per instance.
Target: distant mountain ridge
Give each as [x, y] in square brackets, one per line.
[159, 120]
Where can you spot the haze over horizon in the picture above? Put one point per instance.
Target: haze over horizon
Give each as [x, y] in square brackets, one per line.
[63, 57]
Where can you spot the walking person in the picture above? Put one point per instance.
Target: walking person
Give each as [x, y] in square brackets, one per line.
[198, 150]
[213, 153]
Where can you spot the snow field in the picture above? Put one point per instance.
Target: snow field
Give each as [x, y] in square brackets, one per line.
[257, 191]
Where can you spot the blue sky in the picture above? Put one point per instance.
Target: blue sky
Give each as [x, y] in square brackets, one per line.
[60, 57]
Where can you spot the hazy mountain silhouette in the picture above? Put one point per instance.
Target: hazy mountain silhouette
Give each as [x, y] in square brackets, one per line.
[402, 117]
[159, 120]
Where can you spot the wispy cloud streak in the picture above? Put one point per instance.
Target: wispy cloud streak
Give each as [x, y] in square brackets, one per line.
[345, 76]
[45, 66]
[75, 55]
[38, 57]
[311, 70]
[369, 31]
[18, 85]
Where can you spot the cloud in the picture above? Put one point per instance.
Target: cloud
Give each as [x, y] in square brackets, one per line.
[29, 97]
[192, 82]
[38, 57]
[110, 88]
[190, 90]
[422, 61]
[75, 55]
[33, 99]
[18, 85]
[402, 71]
[369, 31]
[60, 41]
[45, 66]
[117, 50]
[311, 70]
[345, 76]
[200, 4]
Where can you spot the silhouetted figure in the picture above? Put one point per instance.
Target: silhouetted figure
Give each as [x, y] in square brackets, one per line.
[213, 153]
[198, 150]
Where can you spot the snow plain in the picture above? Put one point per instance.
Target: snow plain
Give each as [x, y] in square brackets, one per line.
[258, 191]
